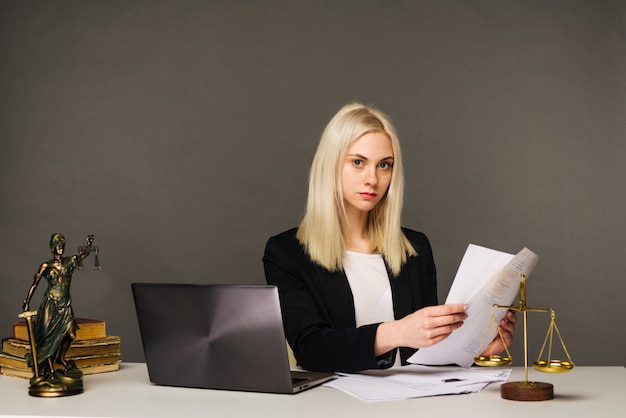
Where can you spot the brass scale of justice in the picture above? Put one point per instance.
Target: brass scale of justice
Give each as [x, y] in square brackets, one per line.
[527, 390]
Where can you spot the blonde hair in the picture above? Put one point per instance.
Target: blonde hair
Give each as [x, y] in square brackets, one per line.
[321, 229]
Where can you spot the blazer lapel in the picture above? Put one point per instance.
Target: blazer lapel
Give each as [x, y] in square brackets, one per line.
[337, 297]
[403, 294]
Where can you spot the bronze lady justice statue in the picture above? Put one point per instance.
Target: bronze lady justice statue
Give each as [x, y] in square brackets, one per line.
[55, 328]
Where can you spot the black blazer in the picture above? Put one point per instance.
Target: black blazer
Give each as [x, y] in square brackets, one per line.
[318, 309]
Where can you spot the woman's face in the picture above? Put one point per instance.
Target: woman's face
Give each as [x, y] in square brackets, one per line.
[366, 172]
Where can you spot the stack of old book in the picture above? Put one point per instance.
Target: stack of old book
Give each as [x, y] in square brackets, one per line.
[93, 350]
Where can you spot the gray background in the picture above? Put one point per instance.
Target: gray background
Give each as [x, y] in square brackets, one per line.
[180, 133]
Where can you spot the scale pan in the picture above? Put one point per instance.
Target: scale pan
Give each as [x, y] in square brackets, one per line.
[493, 361]
[553, 366]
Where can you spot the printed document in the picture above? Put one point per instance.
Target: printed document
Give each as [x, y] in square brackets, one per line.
[485, 278]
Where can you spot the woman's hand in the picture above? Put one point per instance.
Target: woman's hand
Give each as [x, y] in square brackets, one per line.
[507, 328]
[422, 328]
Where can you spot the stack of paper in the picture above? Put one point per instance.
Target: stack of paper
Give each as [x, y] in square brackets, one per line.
[416, 382]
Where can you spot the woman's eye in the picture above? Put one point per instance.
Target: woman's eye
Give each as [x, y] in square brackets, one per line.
[357, 163]
[385, 165]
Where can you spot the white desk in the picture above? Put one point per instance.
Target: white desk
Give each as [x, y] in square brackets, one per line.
[583, 392]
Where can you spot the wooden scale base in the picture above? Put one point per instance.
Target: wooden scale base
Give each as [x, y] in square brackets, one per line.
[527, 391]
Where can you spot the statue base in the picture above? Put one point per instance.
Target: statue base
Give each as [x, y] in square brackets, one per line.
[527, 391]
[62, 383]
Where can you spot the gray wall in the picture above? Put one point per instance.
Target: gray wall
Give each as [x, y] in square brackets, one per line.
[180, 133]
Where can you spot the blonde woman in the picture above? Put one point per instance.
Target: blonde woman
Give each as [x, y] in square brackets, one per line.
[357, 290]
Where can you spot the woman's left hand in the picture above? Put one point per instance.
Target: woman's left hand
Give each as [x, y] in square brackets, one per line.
[507, 328]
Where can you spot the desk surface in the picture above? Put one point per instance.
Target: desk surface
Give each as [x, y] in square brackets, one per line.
[585, 391]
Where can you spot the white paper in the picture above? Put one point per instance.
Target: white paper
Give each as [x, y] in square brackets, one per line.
[415, 381]
[485, 278]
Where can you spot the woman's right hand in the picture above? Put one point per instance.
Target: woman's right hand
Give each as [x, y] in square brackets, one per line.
[422, 328]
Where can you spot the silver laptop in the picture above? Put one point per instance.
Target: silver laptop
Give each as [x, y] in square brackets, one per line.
[217, 337]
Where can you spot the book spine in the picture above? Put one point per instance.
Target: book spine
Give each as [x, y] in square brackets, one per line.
[109, 345]
[88, 329]
[28, 374]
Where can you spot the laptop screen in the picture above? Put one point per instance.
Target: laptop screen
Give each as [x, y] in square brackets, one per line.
[213, 336]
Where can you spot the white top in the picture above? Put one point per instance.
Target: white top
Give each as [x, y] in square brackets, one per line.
[371, 289]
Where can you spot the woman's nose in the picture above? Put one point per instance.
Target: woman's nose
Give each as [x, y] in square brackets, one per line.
[371, 177]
